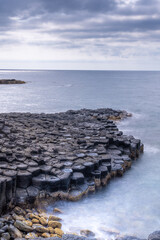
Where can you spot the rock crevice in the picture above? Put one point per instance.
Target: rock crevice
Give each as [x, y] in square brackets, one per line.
[63, 154]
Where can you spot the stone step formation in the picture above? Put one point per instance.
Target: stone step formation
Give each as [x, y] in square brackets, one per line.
[62, 154]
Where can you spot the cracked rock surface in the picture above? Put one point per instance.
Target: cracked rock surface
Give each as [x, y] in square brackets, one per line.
[70, 151]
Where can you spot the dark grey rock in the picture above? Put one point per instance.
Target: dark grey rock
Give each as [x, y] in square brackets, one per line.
[14, 232]
[154, 236]
[77, 178]
[53, 183]
[128, 238]
[50, 152]
[24, 179]
[64, 237]
[6, 236]
[32, 193]
[39, 181]
[21, 195]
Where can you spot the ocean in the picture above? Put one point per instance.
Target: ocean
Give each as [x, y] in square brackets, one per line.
[131, 204]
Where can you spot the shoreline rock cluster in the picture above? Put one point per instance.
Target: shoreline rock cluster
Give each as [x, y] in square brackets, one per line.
[30, 224]
[11, 81]
[35, 224]
[62, 155]
[68, 153]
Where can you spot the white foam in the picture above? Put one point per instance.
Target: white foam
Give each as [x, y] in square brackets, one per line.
[151, 149]
[137, 115]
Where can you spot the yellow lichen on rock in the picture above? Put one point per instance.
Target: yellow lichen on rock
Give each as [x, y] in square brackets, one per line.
[31, 216]
[53, 235]
[42, 214]
[40, 229]
[19, 211]
[29, 223]
[59, 232]
[51, 230]
[35, 220]
[43, 221]
[18, 217]
[31, 236]
[54, 218]
[57, 210]
[54, 224]
[45, 235]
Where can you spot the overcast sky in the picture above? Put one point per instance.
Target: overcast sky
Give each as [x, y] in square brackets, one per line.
[80, 34]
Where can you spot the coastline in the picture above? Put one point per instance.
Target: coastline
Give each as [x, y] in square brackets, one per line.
[61, 156]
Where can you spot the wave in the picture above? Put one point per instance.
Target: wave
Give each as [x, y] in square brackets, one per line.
[64, 85]
[138, 115]
[151, 149]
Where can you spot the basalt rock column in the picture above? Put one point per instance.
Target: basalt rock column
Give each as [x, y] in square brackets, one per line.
[44, 154]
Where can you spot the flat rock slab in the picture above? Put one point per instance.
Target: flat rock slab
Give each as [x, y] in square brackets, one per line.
[11, 81]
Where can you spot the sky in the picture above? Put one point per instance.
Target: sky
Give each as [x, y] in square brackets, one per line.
[80, 34]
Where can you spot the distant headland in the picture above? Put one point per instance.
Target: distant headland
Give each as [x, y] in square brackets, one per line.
[11, 81]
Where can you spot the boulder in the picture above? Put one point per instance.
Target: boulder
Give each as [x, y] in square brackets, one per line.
[6, 236]
[21, 195]
[54, 224]
[14, 232]
[33, 192]
[23, 226]
[87, 233]
[59, 232]
[19, 211]
[54, 218]
[40, 229]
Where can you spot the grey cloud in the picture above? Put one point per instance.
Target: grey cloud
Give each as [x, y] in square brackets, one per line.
[69, 6]
[64, 13]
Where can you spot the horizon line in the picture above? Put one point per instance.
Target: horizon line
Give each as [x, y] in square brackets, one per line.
[104, 70]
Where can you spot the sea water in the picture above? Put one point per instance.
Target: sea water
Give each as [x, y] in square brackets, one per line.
[131, 204]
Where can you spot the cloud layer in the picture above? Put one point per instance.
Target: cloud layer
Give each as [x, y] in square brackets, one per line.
[73, 30]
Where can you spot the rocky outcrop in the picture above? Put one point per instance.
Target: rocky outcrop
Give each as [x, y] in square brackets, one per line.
[154, 236]
[63, 155]
[36, 224]
[29, 224]
[11, 81]
[64, 237]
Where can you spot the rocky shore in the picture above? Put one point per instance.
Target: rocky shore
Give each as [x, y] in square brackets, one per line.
[23, 224]
[11, 81]
[57, 156]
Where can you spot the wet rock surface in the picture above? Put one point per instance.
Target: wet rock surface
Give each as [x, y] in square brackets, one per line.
[11, 81]
[34, 224]
[58, 154]
[64, 237]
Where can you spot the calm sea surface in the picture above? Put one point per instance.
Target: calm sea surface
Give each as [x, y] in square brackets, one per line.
[130, 205]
